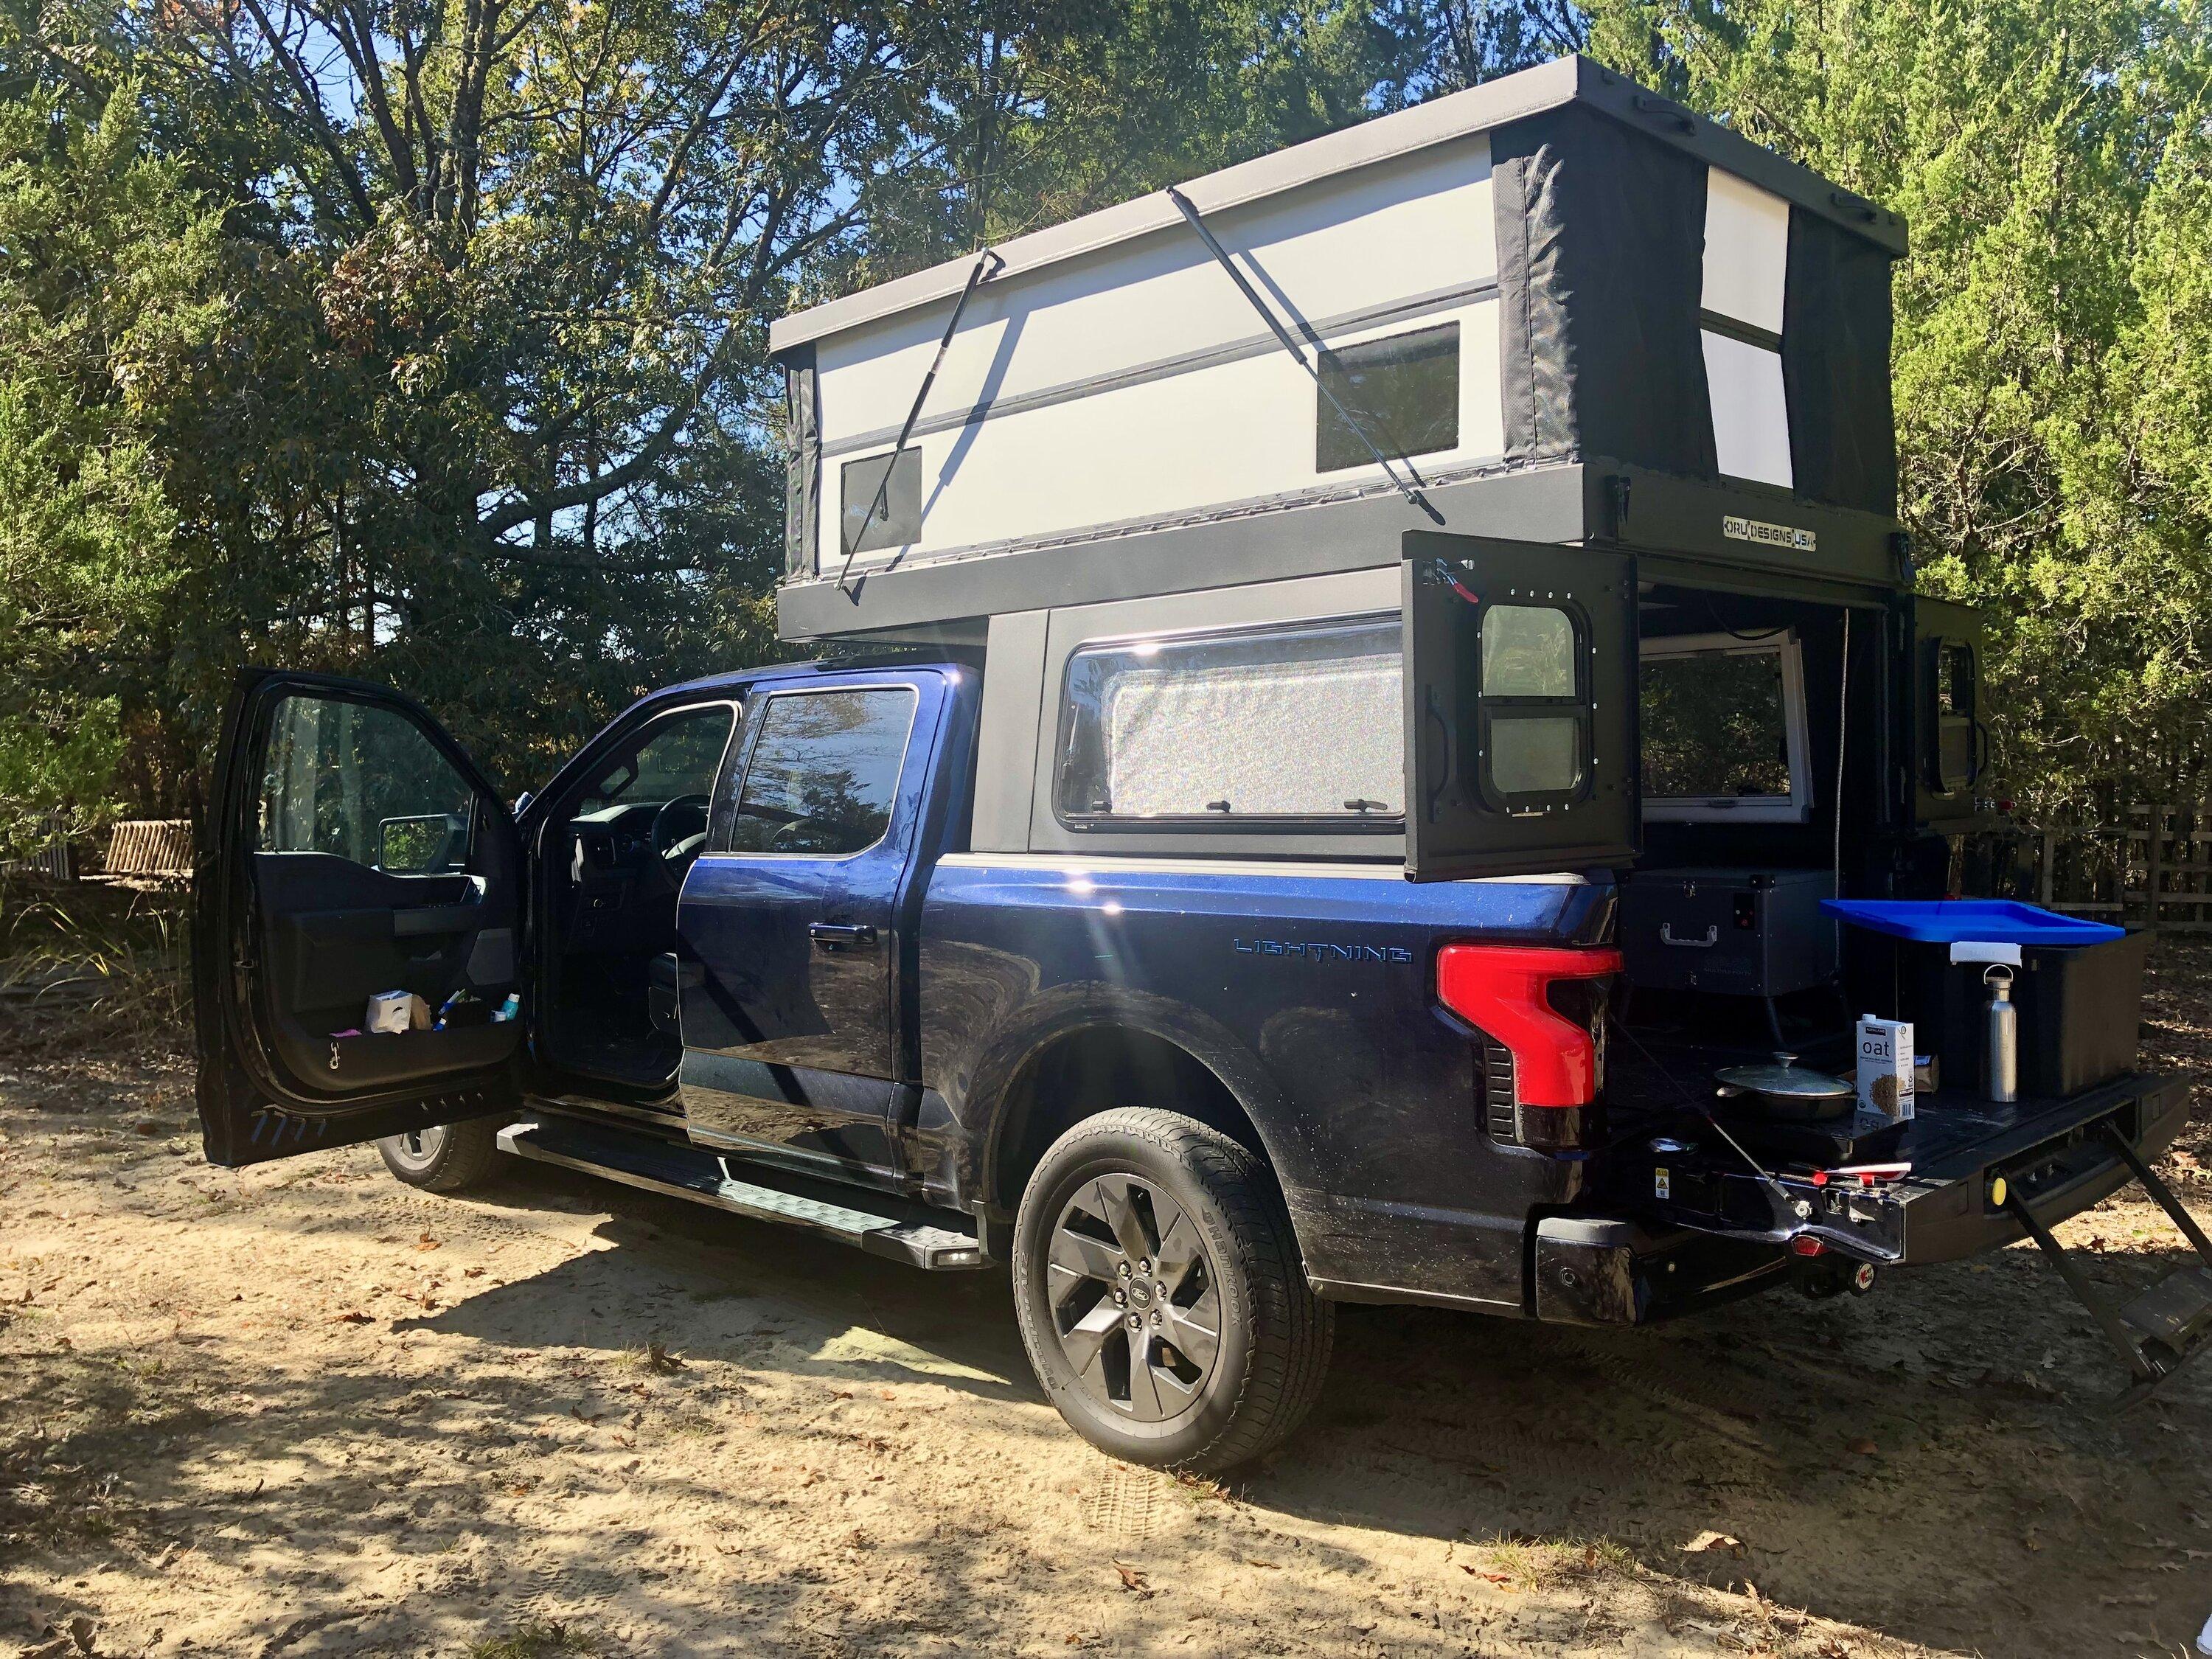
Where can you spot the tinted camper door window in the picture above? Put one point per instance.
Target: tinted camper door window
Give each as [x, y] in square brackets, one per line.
[1533, 722]
[878, 510]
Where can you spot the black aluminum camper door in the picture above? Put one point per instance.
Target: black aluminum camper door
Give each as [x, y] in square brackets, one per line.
[350, 849]
[1520, 707]
[1947, 730]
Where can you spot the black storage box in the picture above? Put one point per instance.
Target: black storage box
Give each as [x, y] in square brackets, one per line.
[1742, 933]
[2081, 1012]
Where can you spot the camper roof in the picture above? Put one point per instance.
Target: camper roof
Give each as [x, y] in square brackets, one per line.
[1478, 109]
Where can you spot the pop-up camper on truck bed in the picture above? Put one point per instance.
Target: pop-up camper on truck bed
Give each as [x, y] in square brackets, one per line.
[1375, 743]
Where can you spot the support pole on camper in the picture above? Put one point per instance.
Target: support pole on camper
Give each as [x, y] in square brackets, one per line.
[1311, 366]
[988, 266]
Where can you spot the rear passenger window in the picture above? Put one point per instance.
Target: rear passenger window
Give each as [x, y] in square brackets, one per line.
[821, 774]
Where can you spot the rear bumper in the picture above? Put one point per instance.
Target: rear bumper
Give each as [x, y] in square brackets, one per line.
[1723, 1231]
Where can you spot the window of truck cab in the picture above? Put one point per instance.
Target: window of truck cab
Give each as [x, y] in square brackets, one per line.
[1294, 726]
[815, 772]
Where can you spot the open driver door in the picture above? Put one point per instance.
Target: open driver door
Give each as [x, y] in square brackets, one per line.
[350, 848]
[1520, 707]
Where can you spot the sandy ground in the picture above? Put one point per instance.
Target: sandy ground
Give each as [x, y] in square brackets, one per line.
[304, 1410]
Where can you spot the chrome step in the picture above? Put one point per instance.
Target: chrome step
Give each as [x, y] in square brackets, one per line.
[682, 1171]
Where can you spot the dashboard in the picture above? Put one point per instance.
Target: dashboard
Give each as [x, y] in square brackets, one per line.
[612, 841]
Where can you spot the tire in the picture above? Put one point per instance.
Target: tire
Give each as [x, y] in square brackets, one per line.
[1224, 1261]
[448, 1159]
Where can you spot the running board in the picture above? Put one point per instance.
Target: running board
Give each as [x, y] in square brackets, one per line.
[2164, 1326]
[681, 1171]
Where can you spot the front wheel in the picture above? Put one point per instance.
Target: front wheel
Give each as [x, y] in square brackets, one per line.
[449, 1159]
[1161, 1297]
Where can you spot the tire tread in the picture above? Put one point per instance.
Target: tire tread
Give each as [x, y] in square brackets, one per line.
[471, 1151]
[1295, 1330]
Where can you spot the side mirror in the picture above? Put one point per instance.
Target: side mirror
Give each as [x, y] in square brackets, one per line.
[411, 846]
[522, 801]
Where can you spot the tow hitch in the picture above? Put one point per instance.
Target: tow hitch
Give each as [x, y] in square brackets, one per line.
[2164, 1326]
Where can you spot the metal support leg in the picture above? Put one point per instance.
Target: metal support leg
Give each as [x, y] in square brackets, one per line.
[2084, 1291]
[2175, 1209]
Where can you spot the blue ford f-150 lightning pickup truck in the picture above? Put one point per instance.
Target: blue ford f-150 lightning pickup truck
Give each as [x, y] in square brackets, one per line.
[1356, 700]
[1193, 1102]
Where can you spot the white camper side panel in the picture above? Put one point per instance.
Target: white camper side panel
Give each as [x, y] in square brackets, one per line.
[1140, 386]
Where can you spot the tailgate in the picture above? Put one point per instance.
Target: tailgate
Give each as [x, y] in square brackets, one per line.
[2055, 1155]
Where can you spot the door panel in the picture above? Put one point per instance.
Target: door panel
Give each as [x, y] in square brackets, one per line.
[1520, 707]
[350, 849]
[1947, 735]
[789, 1022]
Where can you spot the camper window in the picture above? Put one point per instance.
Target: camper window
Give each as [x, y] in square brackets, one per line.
[1955, 714]
[1290, 725]
[1724, 729]
[1535, 716]
[876, 515]
[1404, 390]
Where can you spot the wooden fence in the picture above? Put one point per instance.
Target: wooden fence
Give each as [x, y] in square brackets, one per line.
[150, 846]
[2153, 871]
[54, 859]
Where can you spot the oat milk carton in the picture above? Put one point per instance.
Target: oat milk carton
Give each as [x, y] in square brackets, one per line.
[1885, 1052]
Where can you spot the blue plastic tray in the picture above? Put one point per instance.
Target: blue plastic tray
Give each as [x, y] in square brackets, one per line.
[1946, 921]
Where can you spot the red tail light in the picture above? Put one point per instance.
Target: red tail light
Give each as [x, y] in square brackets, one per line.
[1503, 991]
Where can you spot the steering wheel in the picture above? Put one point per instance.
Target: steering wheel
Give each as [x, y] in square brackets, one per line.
[679, 829]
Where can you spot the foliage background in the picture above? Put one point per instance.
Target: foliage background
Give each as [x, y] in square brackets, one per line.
[425, 339]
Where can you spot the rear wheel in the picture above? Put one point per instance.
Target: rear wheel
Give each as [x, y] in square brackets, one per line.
[449, 1159]
[1160, 1293]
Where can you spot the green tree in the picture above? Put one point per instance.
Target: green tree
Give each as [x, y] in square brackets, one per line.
[107, 263]
[477, 400]
[2050, 160]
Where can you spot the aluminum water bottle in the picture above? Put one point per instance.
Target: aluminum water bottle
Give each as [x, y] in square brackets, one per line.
[2001, 1036]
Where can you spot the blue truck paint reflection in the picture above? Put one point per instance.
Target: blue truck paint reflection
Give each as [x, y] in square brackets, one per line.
[1363, 1093]
[1304, 989]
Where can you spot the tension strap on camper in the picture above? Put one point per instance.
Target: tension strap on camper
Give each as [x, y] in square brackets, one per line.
[988, 266]
[2164, 1326]
[1312, 366]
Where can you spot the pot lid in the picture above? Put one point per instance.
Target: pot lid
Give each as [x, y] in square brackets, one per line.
[1785, 1079]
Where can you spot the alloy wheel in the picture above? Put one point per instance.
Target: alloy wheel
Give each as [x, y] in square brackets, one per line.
[418, 1148]
[1135, 1300]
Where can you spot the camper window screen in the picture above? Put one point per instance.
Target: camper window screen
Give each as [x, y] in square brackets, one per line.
[1723, 728]
[875, 515]
[1535, 716]
[1286, 726]
[1404, 390]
